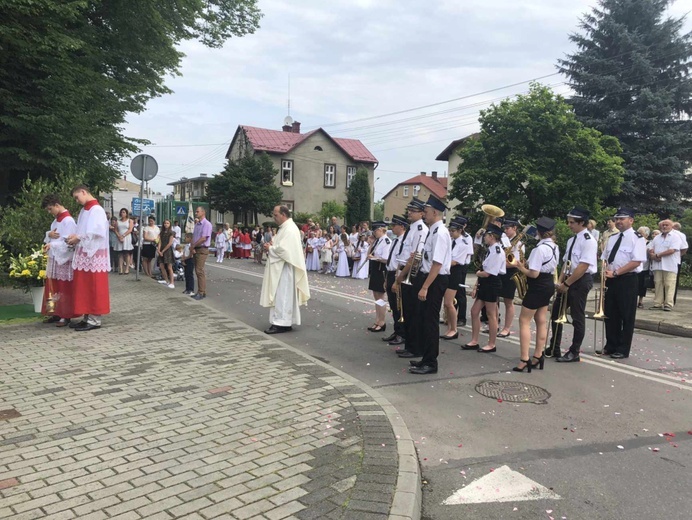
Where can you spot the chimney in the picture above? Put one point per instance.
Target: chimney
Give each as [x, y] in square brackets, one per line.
[434, 175]
[423, 174]
[296, 127]
[286, 128]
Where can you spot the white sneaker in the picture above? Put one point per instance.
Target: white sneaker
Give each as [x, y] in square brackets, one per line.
[171, 286]
[163, 282]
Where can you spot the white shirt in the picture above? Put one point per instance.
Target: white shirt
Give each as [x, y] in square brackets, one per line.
[585, 251]
[632, 248]
[683, 241]
[416, 236]
[381, 248]
[661, 244]
[495, 262]
[397, 244]
[438, 249]
[150, 231]
[178, 234]
[465, 249]
[544, 257]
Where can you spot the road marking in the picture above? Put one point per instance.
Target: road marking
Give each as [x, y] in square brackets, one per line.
[642, 373]
[501, 485]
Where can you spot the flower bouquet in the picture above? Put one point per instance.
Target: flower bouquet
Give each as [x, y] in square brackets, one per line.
[27, 271]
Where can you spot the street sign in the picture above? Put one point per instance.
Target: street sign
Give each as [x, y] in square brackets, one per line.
[138, 209]
[144, 167]
[181, 211]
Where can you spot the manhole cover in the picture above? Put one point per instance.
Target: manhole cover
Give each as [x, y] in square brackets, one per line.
[513, 391]
[6, 415]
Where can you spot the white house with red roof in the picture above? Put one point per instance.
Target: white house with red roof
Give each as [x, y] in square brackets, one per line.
[420, 186]
[314, 167]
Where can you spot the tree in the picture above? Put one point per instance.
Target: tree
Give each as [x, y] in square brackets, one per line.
[358, 198]
[378, 211]
[245, 186]
[534, 158]
[70, 72]
[631, 78]
[331, 208]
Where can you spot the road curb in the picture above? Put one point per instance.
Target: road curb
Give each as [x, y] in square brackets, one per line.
[408, 493]
[662, 327]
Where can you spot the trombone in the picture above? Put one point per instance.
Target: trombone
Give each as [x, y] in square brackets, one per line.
[562, 309]
[600, 309]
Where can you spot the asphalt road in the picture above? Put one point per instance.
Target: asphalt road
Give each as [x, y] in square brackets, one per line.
[594, 450]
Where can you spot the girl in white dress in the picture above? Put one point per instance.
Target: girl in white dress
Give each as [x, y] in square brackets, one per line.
[312, 255]
[326, 254]
[342, 268]
[220, 244]
[361, 270]
[123, 232]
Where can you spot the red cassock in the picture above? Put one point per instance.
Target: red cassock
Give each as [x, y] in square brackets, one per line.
[91, 262]
[59, 287]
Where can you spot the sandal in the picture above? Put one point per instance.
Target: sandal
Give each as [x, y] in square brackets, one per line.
[503, 334]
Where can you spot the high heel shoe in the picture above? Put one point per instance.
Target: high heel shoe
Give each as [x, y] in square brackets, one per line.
[541, 361]
[527, 365]
[379, 328]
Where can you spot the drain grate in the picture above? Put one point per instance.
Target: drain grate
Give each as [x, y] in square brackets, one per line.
[513, 392]
[6, 415]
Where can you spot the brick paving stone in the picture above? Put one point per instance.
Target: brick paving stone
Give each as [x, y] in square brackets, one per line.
[234, 427]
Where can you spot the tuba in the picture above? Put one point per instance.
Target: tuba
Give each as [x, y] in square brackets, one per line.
[491, 213]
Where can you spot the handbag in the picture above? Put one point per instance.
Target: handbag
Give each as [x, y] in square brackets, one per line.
[309, 249]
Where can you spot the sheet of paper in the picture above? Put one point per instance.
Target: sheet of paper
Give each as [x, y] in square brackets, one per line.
[380, 302]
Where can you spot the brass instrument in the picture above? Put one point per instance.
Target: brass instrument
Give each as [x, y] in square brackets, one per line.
[416, 262]
[400, 304]
[600, 314]
[491, 213]
[562, 314]
[519, 278]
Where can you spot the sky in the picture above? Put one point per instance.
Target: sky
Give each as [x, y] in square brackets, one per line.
[351, 62]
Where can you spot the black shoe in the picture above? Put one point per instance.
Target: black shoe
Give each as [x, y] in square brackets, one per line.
[540, 361]
[390, 337]
[398, 340]
[423, 369]
[87, 326]
[468, 346]
[400, 350]
[51, 319]
[570, 357]
[277, 329]
[379, 328]
[455, 336]
[602, 352]
[416, 363]
[487, 351]
[199, 296]
[527, 366]
[618, 355]
[407, 354]
[75, 324]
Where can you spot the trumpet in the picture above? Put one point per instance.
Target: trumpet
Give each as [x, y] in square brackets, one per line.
[400, 304]
[416, 262]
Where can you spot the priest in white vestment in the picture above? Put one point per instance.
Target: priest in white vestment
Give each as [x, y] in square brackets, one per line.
[91, 262]
[285, 283]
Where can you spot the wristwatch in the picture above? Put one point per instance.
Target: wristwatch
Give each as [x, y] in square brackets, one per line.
[615, 273]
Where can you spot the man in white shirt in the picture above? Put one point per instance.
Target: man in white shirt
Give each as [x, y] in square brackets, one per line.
[665, 259]
[683, 251]
[177, 232]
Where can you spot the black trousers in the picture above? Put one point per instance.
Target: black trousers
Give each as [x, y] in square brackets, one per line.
[577, 296]
[461, 295]
[394, 305]
[620, 308]
[677, 284]
[430, 314]
[413, 320]
[189, 265]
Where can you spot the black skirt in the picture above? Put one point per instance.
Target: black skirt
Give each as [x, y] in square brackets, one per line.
[456, 276]
[540, 291]
[378, 272]
[489, 289]
[509, 288]
[148, 251]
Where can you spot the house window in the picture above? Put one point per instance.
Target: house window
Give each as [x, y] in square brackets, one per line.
[287, 173]
[396, 193]
[350, 174]
[318, 148]
[330, 175]
[405, 191]
[219, 217]
[288, 204]
[416, 189]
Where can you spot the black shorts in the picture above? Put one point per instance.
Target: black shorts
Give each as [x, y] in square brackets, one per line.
[540, 291]
[489, 289]
[148, 251]
[509, 288]
[377, 273]
[456, 276]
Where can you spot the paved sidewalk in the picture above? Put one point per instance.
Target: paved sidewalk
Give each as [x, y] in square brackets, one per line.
[173, 410]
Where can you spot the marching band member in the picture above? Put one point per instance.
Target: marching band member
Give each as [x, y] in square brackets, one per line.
[487, 290]
[539, 272]
[413, 243]
[624, 253]
[378, 255]
[509, 288]
[400, 229]
[482, 251]
[582, 254]
[432, 283]
[457, 272]
[465, 242]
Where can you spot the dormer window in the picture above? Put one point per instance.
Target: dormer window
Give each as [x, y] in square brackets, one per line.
[318, 148]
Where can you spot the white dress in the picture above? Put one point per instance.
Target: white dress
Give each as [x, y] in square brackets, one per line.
[312, 260]
[359, 271]
[126, 244]
[342, 262]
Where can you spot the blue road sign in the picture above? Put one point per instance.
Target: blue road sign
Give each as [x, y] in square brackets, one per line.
[181, 210]
[147, 209]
